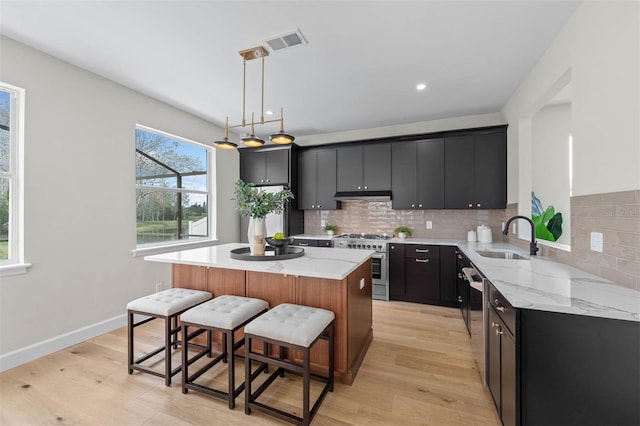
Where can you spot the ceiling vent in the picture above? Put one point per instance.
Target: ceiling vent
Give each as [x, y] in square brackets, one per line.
[285, 41]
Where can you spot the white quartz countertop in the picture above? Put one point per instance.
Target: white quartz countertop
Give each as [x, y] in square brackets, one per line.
[543, 284]
[317, 262]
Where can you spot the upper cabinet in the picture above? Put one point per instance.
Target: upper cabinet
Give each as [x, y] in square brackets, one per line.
[317, 179]
[418, 174]
[265, 166]
[364, 167]
[476, 171]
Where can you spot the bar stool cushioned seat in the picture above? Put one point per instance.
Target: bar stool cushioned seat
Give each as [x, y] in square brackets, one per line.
[167, 305]
[225, 314]
[294, 327]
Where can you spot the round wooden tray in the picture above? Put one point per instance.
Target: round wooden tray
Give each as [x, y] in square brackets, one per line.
[244, 253]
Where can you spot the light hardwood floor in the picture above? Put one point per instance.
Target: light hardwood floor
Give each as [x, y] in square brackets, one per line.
[419, 371]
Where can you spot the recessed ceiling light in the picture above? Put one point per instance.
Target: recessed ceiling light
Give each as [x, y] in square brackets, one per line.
[421, 86]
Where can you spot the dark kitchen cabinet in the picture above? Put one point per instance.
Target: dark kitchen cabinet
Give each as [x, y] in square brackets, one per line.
[317, 180]
[476, 171]
[396, 271]
[418, 174]
[265, 166]
[502, 367]
[422, 276]
[448, 275]
[550, 368]
[364, 167]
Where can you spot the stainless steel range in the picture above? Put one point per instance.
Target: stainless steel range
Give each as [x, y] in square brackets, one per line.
[380, 260]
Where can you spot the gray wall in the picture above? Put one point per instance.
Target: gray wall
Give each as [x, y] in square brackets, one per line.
[79, 203]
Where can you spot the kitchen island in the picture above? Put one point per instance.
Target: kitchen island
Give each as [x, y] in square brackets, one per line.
[338, 280]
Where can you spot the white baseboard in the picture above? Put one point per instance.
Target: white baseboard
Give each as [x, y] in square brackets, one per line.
[49, 346]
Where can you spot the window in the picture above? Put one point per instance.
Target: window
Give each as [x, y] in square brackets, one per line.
[11, 149]
[173, 189]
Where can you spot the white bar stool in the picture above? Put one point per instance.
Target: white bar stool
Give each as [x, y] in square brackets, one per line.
[295, 327]
[226, 314]
[166, 305]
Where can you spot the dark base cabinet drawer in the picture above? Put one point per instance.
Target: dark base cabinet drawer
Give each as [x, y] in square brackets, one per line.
[422, 251]
[503, 308]
[305, 243]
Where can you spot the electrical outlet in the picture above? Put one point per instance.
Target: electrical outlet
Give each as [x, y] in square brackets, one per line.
[429, 224]
[502, 226]
[158, 287]
[514, 230]
[597, 241]
[323, 223]
[361, 283]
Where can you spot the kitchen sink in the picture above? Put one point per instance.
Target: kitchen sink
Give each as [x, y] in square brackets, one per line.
[498, 254]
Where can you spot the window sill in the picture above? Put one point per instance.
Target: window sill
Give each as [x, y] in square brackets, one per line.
[14, 269]
[147, 251]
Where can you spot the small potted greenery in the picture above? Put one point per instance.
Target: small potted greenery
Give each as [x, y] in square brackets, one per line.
[402, 232]
[331, 229]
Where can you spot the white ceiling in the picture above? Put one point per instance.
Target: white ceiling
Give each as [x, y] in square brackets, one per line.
[359, 69]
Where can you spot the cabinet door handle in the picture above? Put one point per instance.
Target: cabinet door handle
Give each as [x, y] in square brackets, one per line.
[459, 298]
[460, 256]
[498, 331]
[422, 260]
[470, 205]
[261, 180]
[420, 205]
[422, 250]
[500, 308]
[393, 247]
[479, 205]
[359, 188]
[303, 244]
[319, 206]
[267, 180]
[413, 205]
[313, 206]
[459, 276]
[366, 187]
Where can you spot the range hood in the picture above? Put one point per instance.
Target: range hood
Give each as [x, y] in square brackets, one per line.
[363, 195]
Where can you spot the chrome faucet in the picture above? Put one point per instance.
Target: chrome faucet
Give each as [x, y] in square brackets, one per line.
[533, 246]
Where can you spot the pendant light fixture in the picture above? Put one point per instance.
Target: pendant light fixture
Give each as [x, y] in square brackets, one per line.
[281, 137]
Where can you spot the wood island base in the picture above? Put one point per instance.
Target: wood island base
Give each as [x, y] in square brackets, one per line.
[349, 299]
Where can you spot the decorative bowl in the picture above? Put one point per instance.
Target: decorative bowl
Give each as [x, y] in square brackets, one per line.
[280, 245]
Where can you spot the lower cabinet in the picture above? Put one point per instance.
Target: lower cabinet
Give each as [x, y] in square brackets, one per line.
[550, 368]
[422, 273]
[502, 368]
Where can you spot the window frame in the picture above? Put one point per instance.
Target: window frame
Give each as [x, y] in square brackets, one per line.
[167, 246]
[15, 263]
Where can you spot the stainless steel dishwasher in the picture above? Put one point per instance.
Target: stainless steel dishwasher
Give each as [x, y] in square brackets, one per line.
[478, 318]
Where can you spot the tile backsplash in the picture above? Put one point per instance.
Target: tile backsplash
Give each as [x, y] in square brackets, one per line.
[378, 217]
[616, 215]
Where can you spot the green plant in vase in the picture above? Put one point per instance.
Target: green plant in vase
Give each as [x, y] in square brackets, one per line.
[331, 229]
[257, 205]
[402, 232]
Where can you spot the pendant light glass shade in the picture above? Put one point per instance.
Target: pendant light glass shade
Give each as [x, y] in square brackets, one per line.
[225, 143]
[281, 138]
[252, 140]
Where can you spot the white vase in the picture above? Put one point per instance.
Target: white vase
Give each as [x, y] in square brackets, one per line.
[257, 232]
[402, 235]
[330, 233]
